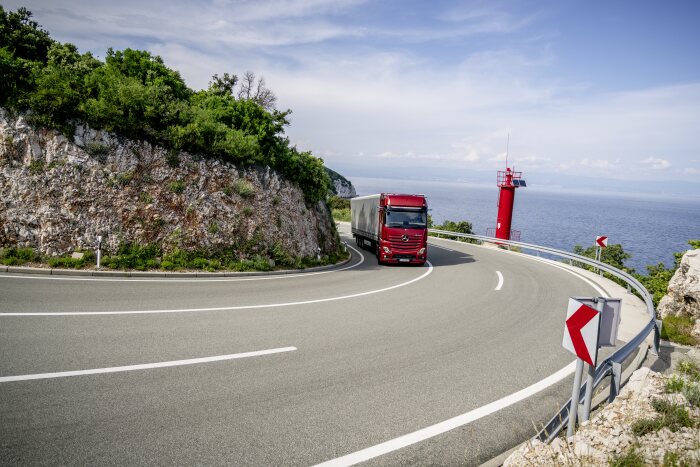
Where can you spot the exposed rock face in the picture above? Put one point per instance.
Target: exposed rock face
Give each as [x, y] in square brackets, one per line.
[341, 186]
[344, 189]
[683, 295]
[57, 196]
[610, 434]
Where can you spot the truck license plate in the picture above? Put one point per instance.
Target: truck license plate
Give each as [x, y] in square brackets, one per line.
[404, 260]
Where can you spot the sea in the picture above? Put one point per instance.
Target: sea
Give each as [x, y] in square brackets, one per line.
[649, 228]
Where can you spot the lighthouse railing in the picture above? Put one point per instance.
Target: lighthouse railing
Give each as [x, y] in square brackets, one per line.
[611, 367]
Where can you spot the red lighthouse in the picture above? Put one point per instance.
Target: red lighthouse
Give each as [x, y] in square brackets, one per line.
[507, 181]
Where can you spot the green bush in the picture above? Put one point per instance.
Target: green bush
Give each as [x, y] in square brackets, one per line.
[244, 188]
[96, 149]
[145, 197]
[18, 256]
[125, 178]
[68, 262]
[341, 215]
[336, 202]
[132, 256]
[177, 187]
[36, 167]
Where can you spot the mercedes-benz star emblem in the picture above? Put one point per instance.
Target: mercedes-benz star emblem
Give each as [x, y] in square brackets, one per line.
[404, 238]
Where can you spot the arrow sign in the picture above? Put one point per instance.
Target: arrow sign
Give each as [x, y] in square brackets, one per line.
[581, 331]
[602, 241]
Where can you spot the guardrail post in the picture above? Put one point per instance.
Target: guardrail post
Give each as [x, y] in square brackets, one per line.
[615, 381]
[657, 337]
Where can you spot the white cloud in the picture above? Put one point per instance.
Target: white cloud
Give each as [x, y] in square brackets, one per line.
[363, 95]
[600, 164]
[656, 163]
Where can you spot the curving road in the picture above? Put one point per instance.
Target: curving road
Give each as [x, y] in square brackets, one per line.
[286, 370]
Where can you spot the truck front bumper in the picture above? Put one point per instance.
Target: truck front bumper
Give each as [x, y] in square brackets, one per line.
[403, 257]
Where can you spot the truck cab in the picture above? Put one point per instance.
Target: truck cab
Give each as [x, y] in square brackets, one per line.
[394, 226]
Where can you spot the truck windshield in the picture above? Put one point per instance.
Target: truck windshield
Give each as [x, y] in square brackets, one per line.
[408, 218]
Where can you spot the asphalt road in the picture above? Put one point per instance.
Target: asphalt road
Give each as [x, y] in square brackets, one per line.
[378, 352]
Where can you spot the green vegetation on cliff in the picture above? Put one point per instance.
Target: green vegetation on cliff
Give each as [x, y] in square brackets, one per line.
[133, 93]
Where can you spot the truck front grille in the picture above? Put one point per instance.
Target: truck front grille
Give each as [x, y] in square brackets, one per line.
[397, 242]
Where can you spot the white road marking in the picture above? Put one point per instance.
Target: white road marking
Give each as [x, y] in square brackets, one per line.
[223, 308]
[145, 366]
[500, 280]
[451, 424]
[542, 260]
[183, 280]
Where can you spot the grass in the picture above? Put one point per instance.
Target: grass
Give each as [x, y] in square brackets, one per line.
[244, 188]
[36, 167]
[96, 149]
[177, 187]
[144, 257]
[688, 384]
[68, 262]
[631, 458]
[18, 256]
[678, 329]
[671, 416]
[145, 197]
[690, 369]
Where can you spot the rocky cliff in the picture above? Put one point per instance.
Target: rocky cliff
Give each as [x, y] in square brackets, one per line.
[341, 186]
[683, 294]
[58, 195]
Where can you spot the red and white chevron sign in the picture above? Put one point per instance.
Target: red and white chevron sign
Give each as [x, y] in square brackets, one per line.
[602, 241]
[581, 331]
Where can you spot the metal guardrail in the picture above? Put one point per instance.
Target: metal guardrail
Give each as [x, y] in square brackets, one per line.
[611, 366]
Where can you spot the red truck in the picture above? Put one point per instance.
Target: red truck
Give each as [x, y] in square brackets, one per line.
[393, 226]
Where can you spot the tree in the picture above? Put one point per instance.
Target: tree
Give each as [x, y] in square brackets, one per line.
[22, 36]
[461, 226]
[256, 92]
[224, 85]
[614, 255]
[60, 86]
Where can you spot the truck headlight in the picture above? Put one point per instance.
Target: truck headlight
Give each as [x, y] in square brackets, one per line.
[421, 251]
[386, 249]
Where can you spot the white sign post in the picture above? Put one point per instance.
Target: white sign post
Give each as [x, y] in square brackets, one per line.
[601, 242]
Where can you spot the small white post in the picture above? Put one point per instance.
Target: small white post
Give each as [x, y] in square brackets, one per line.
[99, 250]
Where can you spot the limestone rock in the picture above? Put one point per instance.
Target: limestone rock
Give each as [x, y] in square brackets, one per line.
[340, 186]
[683, 295]
[58, 195]
[609, 433]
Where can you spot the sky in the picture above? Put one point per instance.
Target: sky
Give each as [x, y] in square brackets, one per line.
[597, 95]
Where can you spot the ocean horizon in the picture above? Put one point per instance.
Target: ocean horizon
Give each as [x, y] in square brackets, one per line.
[649, 227]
